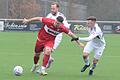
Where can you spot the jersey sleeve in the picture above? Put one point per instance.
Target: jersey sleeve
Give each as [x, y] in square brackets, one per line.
[64, 29]
[92, 36]
[47, 20]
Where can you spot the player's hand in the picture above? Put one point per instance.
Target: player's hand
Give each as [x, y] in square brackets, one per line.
[74, 39]
[25, 21]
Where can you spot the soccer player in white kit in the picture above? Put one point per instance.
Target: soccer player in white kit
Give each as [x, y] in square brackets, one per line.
[53, 15]
[95, 42]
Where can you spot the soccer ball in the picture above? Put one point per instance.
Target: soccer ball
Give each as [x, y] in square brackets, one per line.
[18, 70]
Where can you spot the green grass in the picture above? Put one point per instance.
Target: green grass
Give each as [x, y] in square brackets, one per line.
[17, 48]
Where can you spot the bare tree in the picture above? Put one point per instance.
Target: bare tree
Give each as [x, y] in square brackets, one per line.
[23, 8]
[29, 9]
[13, 9]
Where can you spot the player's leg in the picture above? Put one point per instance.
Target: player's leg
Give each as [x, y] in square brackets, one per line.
[47, 52]
[58, 40]
[88, 48]
[98, 53]
[36, 64]
[51, 60]
[93, 66]
[38, 50]
[86, 60]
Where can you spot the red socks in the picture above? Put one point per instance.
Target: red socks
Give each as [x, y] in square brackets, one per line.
[36, 59]
[45, 60]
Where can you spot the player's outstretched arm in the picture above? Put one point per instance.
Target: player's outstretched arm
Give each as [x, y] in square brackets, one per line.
[32, 19]
[85, 39]
[74, 37]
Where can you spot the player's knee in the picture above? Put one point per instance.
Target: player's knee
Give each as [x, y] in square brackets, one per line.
[85, 55]
[48, 50]
[95, 61]
[37, 54]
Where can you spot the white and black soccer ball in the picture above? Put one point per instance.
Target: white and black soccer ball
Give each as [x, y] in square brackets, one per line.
[18, 70]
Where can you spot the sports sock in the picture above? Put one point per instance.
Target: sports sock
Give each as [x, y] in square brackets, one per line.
[36, 59]
[93, 66]
[43, 68]
[87, 61]
[45, 60]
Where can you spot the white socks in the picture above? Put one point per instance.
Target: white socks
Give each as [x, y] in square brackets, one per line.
[87, 61]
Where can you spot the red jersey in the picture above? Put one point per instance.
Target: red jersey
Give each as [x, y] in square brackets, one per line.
[48, 31]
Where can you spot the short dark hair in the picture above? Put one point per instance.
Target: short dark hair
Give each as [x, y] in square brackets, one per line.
[56, 3]
[93, 18]
[60, 19]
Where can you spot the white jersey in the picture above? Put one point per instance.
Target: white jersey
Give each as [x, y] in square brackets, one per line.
[50, 15]
[95, 36]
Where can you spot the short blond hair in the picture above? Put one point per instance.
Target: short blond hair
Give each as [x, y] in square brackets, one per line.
[56, 3]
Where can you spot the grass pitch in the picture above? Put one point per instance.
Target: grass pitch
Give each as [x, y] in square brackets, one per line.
[17, 48]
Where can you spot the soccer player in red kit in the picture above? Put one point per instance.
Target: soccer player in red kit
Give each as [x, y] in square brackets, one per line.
[46, 38]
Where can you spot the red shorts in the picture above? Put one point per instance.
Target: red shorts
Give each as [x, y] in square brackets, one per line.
[41, 45]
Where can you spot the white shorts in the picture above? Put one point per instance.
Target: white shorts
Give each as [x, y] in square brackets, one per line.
[58, 40]
[98, 51]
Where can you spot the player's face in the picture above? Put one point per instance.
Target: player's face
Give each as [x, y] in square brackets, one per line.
[90, 23]
[54, 9]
